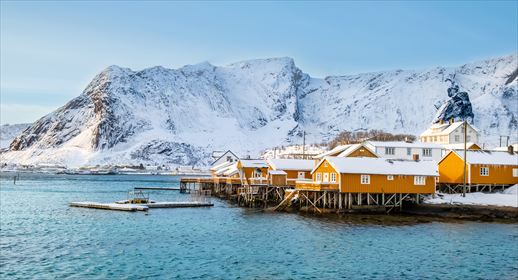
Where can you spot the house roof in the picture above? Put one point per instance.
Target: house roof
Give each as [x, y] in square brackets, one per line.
[223, 170]
[336, 150]
[444, 129]
[488, 157]
[459, 146]
[291, 164]
[353, 148]
[221, 165]
[277, 172]
[403, 144]
[222, 155]
[367, 165]
[253, 163]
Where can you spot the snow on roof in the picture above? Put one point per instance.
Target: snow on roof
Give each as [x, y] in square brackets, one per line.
[366, 165]
[458, 146]
[221, 165]
[232, 170]
[403, 144]
[506, 148]
[444, 129]
[488, 157]
[253, 163]
[353, 148]
[335, 150]
[277, 172]
[291, 164]
[221, 171]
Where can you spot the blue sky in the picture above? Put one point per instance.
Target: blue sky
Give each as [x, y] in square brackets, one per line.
[51, 50]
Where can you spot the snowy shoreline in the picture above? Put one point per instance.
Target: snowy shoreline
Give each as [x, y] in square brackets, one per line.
[507, 198]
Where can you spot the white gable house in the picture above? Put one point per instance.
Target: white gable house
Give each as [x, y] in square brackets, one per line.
[222, 157]
[449, 133]
[405, 150]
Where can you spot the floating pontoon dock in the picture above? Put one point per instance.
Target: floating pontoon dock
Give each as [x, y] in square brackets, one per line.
[110, 206]
[140, 207]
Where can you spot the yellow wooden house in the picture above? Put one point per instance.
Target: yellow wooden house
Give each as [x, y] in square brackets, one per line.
[372, 175]
[482, 168]
[284, 172]
[253, 171]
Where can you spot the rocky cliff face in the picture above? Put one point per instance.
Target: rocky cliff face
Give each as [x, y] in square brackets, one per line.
[178, 116]
[458, 107]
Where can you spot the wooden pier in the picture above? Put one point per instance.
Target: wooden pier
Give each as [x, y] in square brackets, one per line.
[252, 193]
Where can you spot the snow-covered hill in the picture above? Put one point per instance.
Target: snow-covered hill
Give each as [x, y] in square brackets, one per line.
[9, 131]
[178, 116]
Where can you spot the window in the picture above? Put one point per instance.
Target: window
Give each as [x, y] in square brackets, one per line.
[427, 152]
[325, 164]
[229, 158]
[457, 138]
[419, 180]
[258, 173]
[333, 177]
[390, 177]
[484, 171]
[365, 179]
[319, 177]
[515, 172]
[389, 150]
[468, 138]
[301, 175]
[326, 177]
[408, 151]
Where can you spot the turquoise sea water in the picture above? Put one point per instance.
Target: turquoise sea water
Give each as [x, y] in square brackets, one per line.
[41, 237]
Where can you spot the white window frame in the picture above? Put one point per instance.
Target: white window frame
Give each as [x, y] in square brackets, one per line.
[333, 177]
[326, 177]
[390, 177]
[457, 138]
[390, 151]
[318, 177]
[419, 180]
[428, 152]
[325, 164]
[484, 171]
[515, 172]
[365, 179]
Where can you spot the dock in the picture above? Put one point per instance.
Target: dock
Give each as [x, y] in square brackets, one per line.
[110, 206]
[179, 204]
[157, 188]
[140, 207]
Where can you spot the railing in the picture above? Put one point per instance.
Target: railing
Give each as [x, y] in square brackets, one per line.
[315, 186]
[258, 181]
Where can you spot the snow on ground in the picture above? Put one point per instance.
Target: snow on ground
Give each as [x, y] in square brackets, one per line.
[508, 197]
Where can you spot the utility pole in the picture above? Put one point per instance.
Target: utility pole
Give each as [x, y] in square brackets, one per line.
[465, 162]
[304, 145]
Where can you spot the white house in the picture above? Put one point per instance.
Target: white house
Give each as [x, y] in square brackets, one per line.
[449, 133]
[405, 150]
[221, 157]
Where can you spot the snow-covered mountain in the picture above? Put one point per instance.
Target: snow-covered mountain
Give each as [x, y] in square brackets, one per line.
[9, 131]
[178, 116]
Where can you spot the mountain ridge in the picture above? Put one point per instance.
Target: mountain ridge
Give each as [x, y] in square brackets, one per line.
[178, 116]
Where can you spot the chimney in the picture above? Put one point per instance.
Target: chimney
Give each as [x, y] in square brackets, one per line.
[415, 157]
[510, 149]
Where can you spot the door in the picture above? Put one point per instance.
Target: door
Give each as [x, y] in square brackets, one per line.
[326, 177]
[301, 175]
